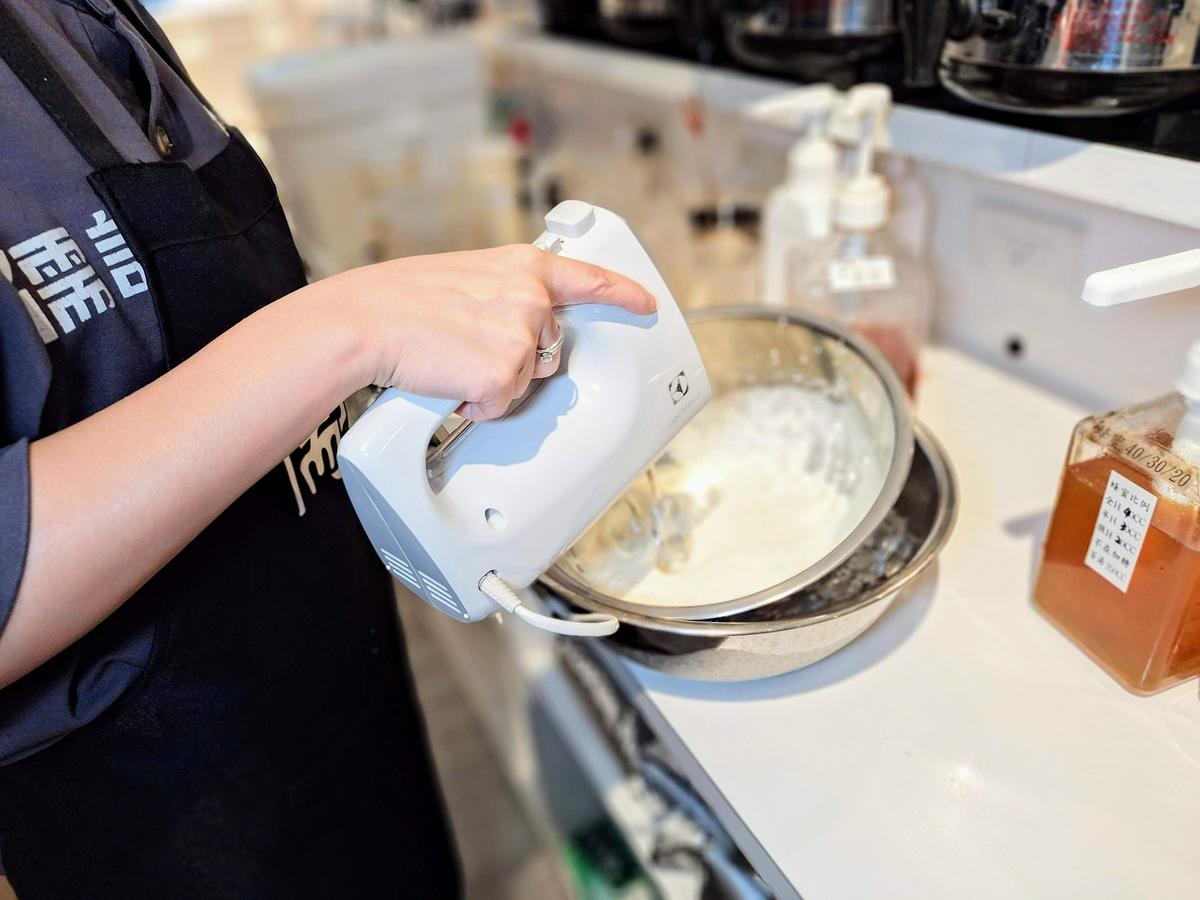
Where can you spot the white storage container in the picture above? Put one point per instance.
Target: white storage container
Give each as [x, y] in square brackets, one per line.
[366, 140]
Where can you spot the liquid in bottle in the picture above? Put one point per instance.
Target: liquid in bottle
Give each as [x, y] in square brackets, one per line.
[1120, 570]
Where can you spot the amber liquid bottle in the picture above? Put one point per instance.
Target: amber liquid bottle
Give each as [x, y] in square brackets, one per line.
[1120, 570]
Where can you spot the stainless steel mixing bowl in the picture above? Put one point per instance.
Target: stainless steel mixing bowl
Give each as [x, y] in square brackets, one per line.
[807, 626]
[748, 347]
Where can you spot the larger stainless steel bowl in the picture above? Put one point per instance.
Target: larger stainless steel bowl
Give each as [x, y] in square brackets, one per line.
[855, 438]
[808, 626]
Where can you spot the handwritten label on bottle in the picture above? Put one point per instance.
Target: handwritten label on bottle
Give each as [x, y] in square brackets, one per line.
[862, 273]
[1121, 526]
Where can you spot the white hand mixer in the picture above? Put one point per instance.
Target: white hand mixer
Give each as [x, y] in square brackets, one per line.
[506, 497]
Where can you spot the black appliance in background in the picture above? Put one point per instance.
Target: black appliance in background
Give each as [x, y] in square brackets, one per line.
[1123, 72]
[702, 31]
[640, 23]
[814, 40]
[1055, 57]
[570, 18]
[691, 29]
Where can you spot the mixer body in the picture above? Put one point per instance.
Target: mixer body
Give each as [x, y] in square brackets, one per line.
[510, 495]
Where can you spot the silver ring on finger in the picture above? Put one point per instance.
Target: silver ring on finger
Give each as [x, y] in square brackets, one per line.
[547, 354]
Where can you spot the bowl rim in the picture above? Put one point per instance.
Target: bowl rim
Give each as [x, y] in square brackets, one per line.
[944, 518]
[564, 584]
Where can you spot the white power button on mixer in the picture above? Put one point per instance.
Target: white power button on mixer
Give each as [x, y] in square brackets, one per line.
[571, 218]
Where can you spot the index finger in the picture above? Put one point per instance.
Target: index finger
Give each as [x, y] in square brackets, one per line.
[570, 281]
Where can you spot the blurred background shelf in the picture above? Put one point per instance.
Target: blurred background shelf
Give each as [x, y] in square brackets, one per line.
[1150, 184]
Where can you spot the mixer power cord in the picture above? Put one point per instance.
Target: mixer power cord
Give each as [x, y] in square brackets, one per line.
[502, 594]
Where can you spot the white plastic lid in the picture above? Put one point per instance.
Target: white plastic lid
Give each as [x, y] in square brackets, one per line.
[863, 203]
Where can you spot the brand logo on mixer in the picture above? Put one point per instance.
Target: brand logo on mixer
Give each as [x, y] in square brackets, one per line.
[678, 387]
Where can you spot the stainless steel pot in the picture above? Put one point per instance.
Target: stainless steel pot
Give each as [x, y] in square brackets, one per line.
[745, 348]
[811, 39]
[1055, 57]
[808, 626]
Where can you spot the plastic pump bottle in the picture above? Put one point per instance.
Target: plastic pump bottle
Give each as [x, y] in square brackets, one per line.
[1144, 281]
[1120, 570]
[860, 275]
[799, 210]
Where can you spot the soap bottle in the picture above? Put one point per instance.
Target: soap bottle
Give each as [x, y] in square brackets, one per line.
[860, 275]
[1120, 570]
[800, 210]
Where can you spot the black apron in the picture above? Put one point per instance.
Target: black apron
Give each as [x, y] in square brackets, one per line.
[273, 747]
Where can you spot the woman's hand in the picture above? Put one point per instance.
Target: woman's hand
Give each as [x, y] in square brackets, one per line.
[467, 325]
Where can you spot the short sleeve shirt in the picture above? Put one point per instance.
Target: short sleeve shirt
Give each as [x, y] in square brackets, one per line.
[72, 290]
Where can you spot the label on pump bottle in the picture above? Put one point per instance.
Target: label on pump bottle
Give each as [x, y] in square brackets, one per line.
[1121, 526]
[862, 273]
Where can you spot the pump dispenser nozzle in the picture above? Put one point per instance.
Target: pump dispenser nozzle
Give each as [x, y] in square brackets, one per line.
[812, 163]
[857, 271]
[797, 109]
[863, 200]
[801, 208]
[1143, 281]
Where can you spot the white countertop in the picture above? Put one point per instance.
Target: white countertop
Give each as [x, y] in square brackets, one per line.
[962, 747]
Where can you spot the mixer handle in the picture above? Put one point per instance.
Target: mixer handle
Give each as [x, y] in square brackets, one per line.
[424, 416]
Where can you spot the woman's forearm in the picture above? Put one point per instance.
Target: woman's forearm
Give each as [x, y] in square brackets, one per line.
[115, 496]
